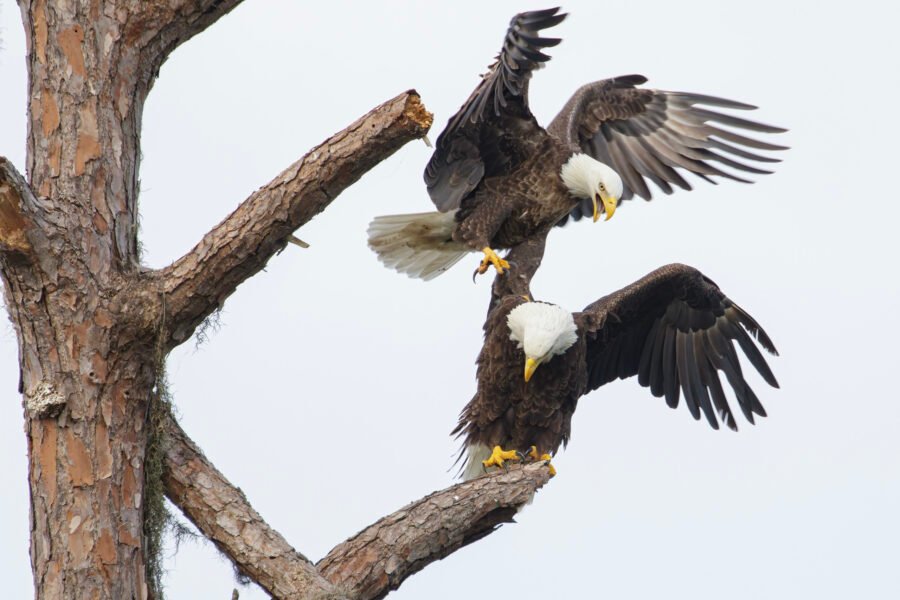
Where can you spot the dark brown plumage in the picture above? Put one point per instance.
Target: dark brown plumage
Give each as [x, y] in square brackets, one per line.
[496, 173]
[674, 329]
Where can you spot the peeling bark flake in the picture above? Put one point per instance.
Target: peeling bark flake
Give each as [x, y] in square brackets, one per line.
[48, 459]
[40, 30]
[106, 548]
[100, 224]
[53, 156]
[88, 139]
[70, 41]
[80, 470]
[104, 454]
[81, 543]
[127, 538]
[49, 113]
[98, 200]
[128, 486]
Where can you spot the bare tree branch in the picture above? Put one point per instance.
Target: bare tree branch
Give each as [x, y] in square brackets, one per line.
[379, 558]
[160, 26]
[198, 283]
[25, 223]
[14, 192]
[368, 565]
[222, 513]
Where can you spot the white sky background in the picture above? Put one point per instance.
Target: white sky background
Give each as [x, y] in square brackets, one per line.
[329, 391]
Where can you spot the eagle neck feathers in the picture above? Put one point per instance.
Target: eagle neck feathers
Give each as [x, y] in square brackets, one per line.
[542, 329]
[581, 175]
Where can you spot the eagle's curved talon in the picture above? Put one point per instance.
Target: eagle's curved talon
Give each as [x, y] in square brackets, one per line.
[536, 456]
[498, 458]
[491, 258]
[552, 469]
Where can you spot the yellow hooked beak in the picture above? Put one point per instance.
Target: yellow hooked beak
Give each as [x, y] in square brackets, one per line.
[530, 366]
[609, 206]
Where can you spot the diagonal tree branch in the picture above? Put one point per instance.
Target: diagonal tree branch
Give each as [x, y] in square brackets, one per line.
[198, 283]
[379, 558]
[368, 565]
[222, 513]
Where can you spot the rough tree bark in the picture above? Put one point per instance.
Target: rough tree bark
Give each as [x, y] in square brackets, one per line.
[93, 326]
[368, 565]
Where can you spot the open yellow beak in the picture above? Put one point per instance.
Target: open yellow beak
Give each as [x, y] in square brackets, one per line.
[530, 366]
[609, 206]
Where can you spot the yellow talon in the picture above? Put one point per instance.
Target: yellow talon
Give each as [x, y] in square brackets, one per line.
[499, 456]
[534, 455]
[491, 258]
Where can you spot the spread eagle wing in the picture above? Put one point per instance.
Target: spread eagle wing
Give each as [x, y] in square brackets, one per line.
[646, 134]
[675, 330]
[493, 130]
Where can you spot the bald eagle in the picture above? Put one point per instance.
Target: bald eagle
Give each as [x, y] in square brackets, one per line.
[497, 177]
[674, 329]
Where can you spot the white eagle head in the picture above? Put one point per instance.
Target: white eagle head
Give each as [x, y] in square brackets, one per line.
[542, 330]
[587, 177]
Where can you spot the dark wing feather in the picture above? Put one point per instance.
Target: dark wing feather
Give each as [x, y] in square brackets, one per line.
[472, 145]
[676, 330]
[650, 135]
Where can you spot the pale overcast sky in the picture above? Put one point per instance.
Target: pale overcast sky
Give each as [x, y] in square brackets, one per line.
[329, 392]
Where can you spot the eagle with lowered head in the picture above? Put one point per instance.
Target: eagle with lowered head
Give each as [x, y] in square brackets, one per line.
[497, 177]
[674, 329]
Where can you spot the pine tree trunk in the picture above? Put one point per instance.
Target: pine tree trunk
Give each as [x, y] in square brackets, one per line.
[88, 360]
[93, 326]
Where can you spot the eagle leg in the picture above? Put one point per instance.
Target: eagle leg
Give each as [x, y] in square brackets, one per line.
[499, 456]
[491, 258]
[534, 455]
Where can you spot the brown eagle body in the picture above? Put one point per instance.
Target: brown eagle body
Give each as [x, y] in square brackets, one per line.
[495, 175]
[506, 210]
[506, 411]
[674, 329]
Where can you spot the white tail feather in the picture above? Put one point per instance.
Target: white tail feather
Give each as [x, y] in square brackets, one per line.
[420, 245]
[476, 454]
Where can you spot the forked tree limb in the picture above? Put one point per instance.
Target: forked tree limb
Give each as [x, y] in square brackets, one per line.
[197, 284]
[221, 511]
[368, 565]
